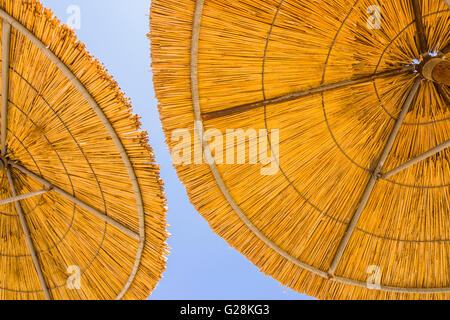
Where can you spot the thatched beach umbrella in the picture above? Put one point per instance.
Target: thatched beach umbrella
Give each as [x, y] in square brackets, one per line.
[82, 210]
[358, 89]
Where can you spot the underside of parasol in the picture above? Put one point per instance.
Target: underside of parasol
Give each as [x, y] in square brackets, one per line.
[362, 110]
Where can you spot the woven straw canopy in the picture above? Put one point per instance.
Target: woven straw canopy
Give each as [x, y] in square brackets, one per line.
[82, 210]
[359, 207]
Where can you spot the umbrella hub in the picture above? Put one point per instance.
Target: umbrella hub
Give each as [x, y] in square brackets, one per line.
[436, 69]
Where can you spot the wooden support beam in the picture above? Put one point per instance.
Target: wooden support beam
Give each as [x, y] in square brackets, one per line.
[23, 197]
[75, 200]
[422, 40]
[374, 178]
[26, 230]
[6, 45]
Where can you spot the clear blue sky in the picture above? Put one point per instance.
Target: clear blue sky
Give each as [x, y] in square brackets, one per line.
[201, 265]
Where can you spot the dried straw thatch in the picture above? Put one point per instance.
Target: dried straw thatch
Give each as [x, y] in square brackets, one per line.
[69, 137]
[330, 222]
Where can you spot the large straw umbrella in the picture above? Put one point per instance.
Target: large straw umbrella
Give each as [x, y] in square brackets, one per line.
[82, 209]
[358, 89]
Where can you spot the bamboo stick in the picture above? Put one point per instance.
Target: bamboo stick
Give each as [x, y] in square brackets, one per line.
[374, 178]
[416, 160]
[304, 93]
[22, 197]
[419, 27]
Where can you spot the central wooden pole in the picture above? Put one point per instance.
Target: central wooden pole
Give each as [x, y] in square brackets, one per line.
[28, 238]
[438, 70]
[6, 45]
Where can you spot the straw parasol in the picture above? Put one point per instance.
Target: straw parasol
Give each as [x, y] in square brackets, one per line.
[358, 89]
[82, 209]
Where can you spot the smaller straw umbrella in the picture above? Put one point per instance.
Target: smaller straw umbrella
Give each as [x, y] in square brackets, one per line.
[82, 208]
[359, 93]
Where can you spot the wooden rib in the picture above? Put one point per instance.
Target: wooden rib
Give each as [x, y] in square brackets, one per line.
[29, 240]
[374, 178]
[23, 197]
[74, 200]
[414, 161]
[423, 45]
[301, 94]
[6, 44]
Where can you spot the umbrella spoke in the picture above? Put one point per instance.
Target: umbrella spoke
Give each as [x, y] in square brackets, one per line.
[374, 179]
[442, 93]
[416, 160]
[23, 197]
[6, 44]
[419, 27]
[29, 240]
[301, 94]
[75, 200]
